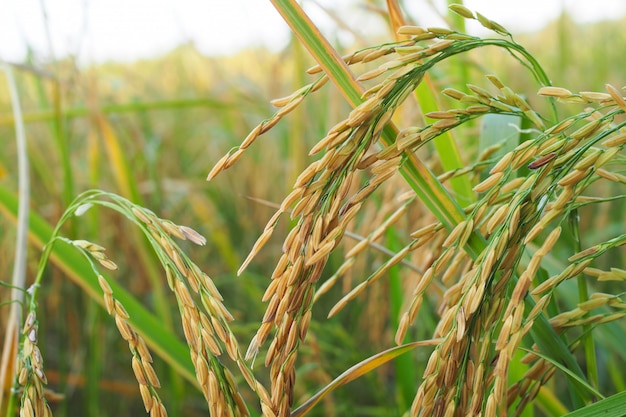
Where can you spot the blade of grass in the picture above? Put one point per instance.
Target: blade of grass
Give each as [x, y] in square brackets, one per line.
[61, 139]
[45, 85]
[359, 370]
[297, 148]
[568, 372]
[396, 17]
[555, 348]
[613, 406]
[549, 403]
[95, 357]
[48, 92]
[446, 147]
[117, 159]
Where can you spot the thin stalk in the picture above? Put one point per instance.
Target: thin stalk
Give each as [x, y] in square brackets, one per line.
[404, 365]
[583, 295]
[18, 279]
[296, 148]
[445, 144]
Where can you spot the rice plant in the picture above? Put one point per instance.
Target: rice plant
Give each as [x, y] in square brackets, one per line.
[500, 286]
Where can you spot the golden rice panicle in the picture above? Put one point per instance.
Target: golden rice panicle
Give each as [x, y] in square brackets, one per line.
[222, 164]
[144, 215]
[484, 95]
[615, 274]
[261, 241]
[203, 334]
[324, 211]
[524, 154]
[349, 59]
[30, 373]
[171, 229]
[141, 358]
[282, 311]
[377, 52]
[412, 30]
[497, 218]
[571, 271]
[574, 177]
[561, 126]
[286, 106]
[503, 163]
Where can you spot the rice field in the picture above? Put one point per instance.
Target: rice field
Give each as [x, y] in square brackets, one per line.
[428, 225]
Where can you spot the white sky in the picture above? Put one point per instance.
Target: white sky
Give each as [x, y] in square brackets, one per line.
[98, 30]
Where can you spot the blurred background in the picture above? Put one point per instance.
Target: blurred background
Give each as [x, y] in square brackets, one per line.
[141, 98]
[98, 31]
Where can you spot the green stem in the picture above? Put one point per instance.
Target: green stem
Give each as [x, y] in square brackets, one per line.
[406, 375]
[583, 295]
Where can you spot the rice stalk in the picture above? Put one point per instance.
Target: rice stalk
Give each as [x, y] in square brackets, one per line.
[205, 323]
[487, 313]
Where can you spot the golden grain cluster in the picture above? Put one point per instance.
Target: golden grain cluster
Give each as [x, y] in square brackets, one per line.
[491, 300]
[484, 271]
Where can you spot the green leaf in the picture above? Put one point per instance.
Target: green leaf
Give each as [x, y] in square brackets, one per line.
[613, 406]
[572, 375]
[359, 370]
